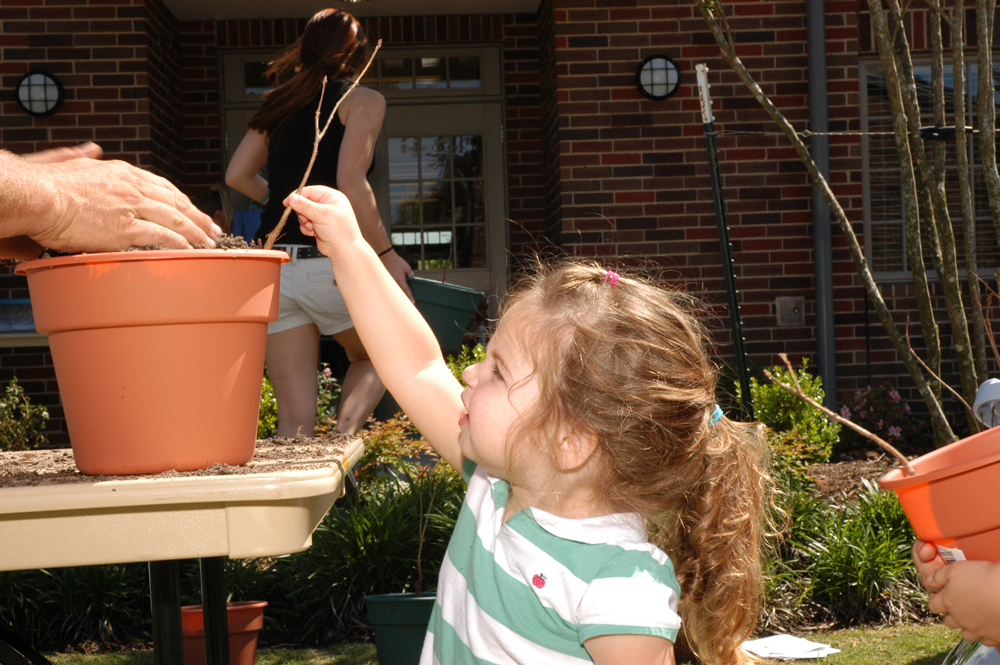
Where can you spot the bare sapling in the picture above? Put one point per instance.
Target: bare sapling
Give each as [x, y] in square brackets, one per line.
[424, 519]
[798, 392]
[273, 235]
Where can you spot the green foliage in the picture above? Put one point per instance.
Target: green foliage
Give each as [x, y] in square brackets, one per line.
[842, 565]
[469, 355]
[21, 422]
[267, 420]
[782, 411]
[53, 608]
[328, 393]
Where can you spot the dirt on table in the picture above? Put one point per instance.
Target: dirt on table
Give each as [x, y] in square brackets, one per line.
[55, 467]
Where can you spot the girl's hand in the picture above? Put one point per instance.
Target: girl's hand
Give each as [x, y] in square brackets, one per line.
[967, 593]
[327, 215]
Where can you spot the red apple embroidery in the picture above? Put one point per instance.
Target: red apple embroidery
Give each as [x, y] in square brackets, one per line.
[538, 580]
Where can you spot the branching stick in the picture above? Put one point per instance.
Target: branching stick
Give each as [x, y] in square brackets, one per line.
[798, 392]
[273, 235]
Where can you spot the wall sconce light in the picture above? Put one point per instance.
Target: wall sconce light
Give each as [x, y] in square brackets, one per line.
[658, 77]
[40, 94]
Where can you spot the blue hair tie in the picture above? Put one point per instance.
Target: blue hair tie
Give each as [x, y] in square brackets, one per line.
[716, 415]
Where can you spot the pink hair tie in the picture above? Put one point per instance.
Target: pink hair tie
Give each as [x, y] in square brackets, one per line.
[611, 277]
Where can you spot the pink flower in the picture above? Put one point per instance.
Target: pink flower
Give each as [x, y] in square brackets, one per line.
[327, 373]
[907, 407]
[894, 432]
[879, 423]
[845, 412]
[894, 396]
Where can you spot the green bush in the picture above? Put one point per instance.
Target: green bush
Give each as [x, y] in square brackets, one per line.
[841, 565]
[469, 355]
[801, 435]
[328, 392]
[21, 422]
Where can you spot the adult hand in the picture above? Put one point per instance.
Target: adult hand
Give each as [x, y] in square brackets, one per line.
[100, 206]
[89, 150]
[400, 270]
[66, 199]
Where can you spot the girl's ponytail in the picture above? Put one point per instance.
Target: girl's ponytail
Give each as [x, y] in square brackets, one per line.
[715, 541]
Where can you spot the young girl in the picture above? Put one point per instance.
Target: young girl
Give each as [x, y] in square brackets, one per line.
[589, 429]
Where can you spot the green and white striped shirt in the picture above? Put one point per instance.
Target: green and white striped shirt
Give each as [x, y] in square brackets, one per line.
[534, 589]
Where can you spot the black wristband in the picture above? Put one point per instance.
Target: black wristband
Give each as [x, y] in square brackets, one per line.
[385, 251]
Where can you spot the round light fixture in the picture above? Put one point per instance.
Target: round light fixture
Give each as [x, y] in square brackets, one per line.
[658, 77]
[40, 94]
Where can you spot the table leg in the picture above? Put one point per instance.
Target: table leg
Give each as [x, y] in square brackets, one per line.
[165, 599]
[15, 651]
[213, 604]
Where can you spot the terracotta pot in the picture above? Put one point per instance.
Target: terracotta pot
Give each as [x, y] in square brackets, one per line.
[245, 620]
[950, 501]
[159, 355]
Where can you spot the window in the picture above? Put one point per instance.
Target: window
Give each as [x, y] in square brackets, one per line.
[436, 209]
[885, 241]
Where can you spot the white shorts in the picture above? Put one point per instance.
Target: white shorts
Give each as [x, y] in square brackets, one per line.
[309, 294]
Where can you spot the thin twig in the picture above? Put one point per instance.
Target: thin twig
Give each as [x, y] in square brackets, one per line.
[935, 376]
[985, 314]
[798, 392]
[273, 235]
[424, 519]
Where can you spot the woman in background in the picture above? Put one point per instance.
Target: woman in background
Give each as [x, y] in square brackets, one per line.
[281, 134]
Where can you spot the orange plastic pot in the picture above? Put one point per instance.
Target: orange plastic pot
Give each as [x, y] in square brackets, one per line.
[950, 501]
[159, 355]
[245, 620]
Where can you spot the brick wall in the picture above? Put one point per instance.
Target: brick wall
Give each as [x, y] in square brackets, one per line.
[633, 176]
[109, 55]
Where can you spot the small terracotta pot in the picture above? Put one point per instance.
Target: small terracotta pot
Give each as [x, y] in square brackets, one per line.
[159, 355]
[950, 501]
[245, 620]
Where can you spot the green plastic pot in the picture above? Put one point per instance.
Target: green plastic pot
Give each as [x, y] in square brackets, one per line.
[447, 308]
[400, 622]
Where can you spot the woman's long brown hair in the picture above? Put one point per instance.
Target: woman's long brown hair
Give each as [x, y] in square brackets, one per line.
[333, 44]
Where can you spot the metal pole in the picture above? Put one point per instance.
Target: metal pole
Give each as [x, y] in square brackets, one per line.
[165, 598]
[819, 147]
[727, 253]
[213, 606]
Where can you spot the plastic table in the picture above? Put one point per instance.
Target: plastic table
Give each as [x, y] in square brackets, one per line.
[162, 520]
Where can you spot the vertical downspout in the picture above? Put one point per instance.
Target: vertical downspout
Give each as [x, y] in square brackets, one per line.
[819, 147]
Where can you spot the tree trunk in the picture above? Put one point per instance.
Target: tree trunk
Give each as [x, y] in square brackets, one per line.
[942, 429]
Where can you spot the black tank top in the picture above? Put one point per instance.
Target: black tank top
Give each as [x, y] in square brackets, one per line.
[288, 154]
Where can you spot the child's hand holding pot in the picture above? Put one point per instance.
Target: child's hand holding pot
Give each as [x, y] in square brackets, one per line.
[967, 593]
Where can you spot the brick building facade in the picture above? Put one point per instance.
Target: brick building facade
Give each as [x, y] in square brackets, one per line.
[591, 165]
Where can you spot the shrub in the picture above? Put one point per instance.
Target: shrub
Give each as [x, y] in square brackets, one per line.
[841, 565]
[782, 411]
[21, 422]
[469, 355]
[328, 392]
[883, 412]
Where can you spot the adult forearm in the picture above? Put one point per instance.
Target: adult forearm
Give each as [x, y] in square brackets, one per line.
[26, 193]
[362, 200]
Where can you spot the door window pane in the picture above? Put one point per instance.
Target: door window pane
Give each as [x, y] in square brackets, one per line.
[397, 74]
[463, 71]
[254, 81]
[431, 73]
[436, 197]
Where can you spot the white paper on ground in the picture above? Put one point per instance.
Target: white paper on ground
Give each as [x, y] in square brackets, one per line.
[788, 647]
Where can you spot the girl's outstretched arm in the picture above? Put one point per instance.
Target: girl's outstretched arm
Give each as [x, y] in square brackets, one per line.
[398, 340]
